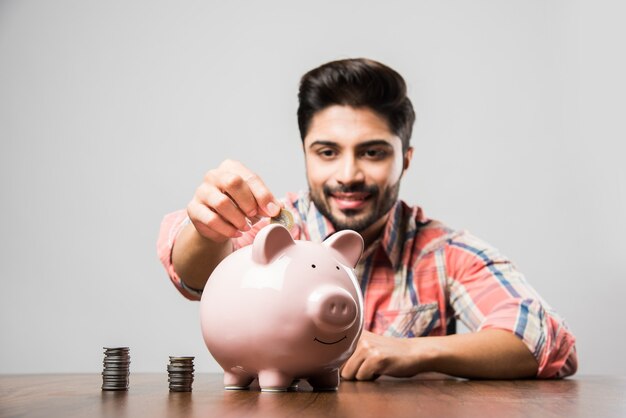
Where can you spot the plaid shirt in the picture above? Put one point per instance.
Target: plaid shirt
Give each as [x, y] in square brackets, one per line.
[420, 276]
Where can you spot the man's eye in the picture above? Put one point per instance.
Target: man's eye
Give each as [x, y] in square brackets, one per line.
[327, 153]
[375, 154]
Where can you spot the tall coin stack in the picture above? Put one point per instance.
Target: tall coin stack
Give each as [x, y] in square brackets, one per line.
[180, 372]
[116, 368]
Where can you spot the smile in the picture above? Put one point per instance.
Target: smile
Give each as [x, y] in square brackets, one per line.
[324, 342]
[351, 196]
[351, 201]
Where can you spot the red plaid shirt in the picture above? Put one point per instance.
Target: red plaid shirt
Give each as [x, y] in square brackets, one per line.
[420, 276]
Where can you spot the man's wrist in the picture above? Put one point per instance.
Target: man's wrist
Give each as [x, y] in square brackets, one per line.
[426, 353]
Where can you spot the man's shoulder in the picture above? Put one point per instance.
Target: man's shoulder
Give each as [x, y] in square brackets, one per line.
[433, 234]
[414, 217]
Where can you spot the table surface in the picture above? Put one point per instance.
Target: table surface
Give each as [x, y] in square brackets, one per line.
[79, 395]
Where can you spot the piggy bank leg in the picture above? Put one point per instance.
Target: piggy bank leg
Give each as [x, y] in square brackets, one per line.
[237, 380]
[325, 381]
[274, 381]
[294, 385]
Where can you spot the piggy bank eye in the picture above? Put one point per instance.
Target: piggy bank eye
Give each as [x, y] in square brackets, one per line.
[313, 265]
[337, 267]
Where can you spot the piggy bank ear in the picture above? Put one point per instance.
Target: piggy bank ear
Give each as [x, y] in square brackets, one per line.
[270, 242]
[348, 243]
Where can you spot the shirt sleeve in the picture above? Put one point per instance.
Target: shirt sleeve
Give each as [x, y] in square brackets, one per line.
[174, 222]
[486, 291]
[171, 225]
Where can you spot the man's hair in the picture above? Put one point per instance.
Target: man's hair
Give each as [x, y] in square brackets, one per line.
[358, 83]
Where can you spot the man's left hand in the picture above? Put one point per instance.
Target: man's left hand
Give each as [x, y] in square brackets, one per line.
[377, 355]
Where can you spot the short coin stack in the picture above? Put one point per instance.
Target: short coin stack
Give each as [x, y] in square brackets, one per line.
[180, 371]
[116, 368]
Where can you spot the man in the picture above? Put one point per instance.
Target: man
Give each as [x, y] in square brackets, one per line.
[417, 275]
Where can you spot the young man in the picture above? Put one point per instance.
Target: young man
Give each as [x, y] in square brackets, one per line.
[417, 275]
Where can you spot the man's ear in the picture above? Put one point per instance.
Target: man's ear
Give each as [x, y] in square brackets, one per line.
[408, 155]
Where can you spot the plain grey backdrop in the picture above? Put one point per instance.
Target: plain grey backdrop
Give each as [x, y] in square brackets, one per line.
[112, 111]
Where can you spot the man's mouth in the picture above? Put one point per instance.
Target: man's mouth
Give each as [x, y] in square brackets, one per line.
[354, 200]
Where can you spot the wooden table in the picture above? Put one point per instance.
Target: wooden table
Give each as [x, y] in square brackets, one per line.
[80, 396]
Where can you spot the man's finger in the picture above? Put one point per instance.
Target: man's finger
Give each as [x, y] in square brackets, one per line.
[224, 206]
[367, 371]
[203, 218]
[264, 198]
[238, 190]
[352, 366]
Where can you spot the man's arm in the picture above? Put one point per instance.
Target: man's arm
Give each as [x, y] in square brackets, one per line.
[492, 354]
[514, 332]
[220, 210]
[194, 257]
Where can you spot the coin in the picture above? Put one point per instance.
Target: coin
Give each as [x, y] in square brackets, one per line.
[180, 382]
[119, 379]
[285, 218]
[174, 369]
[186, 389]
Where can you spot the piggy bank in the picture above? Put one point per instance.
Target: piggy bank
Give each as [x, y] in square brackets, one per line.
[282, 310]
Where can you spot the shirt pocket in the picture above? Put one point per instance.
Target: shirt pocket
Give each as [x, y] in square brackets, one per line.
[416, 321]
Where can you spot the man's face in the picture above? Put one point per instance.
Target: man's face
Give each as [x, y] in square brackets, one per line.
[354, 164]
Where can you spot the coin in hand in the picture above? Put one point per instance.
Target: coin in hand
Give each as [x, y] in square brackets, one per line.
[285, 218]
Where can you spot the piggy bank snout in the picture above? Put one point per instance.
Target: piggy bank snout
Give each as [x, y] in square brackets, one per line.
[332, 308]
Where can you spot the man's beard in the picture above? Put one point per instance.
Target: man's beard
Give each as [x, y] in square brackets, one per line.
[382, 204]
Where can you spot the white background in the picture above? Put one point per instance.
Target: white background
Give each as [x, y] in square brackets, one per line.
[111, 112]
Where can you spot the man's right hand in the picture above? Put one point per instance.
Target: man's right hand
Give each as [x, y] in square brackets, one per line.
[228, 198]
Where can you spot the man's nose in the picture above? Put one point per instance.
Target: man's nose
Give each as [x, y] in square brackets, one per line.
[349, 171]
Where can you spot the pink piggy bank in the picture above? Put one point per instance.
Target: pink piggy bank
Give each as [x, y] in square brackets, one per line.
[281, 310]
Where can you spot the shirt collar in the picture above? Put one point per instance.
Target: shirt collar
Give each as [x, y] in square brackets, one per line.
[401, 226]
[394, 234]
[316, 227]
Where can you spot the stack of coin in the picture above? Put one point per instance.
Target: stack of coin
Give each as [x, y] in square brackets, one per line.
[180, 371]
[116, 368]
